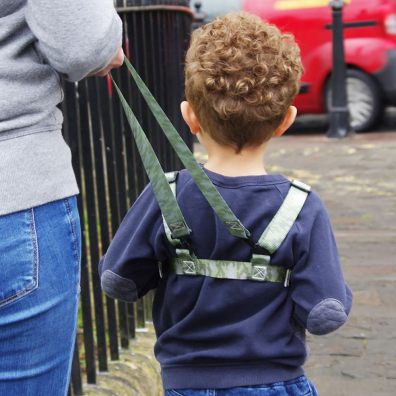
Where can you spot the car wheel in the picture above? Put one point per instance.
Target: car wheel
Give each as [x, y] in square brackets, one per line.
[364, 100]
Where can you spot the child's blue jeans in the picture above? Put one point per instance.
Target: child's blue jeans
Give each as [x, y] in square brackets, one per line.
[297, 387]
[39, 288]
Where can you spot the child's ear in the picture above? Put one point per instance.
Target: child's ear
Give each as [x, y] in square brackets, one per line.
[190, 117]
[287, 121]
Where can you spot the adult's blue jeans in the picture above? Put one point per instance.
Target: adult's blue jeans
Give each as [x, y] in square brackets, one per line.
[297, 387]
[39, 290]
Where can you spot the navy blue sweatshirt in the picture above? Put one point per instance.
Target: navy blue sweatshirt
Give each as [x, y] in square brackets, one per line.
[220, 333]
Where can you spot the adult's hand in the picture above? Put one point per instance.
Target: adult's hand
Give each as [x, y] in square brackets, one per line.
[115, 63]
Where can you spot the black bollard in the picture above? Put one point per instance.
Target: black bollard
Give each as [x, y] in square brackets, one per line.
[199, 16]
[339, 114]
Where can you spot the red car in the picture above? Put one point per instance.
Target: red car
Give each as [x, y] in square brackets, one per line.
[370, 50]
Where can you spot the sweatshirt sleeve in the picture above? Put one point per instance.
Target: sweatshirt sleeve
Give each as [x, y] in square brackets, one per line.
[130, 267]
[76, 37]
[322, 300]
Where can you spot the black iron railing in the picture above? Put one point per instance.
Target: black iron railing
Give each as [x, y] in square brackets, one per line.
[109, 171]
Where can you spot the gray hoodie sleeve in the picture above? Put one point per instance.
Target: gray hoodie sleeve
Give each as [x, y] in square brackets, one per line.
[76, 37]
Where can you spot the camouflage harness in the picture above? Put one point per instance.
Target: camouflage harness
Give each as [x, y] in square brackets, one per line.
[176, 228]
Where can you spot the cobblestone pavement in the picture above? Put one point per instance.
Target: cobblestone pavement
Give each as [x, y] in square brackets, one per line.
[356, 177]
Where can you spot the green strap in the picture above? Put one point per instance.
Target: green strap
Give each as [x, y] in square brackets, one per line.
[185, 263]
[166, 201]
[171, 179]
[280, 225]
[256, 270]
[211, 194]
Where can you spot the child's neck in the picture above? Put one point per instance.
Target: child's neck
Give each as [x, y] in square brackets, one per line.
[224, 161]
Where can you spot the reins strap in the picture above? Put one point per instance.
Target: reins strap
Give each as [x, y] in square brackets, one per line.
[166, 200]
[280, 225]
[171, 178]
[206, 187]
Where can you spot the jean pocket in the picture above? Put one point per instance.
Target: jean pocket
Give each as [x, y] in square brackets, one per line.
[18, 256]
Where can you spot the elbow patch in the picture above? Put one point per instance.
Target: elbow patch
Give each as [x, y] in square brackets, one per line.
[326, 317]
[115, 286]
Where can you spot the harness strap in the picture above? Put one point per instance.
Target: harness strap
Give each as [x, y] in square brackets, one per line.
[259, 267]
[166, 200]
[256, 270]
[203, 182]
[171, 178]
[280, 225]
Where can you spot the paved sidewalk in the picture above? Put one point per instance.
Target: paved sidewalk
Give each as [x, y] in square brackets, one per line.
[356, 177]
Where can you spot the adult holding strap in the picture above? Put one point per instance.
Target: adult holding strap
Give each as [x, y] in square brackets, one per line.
[39, 223]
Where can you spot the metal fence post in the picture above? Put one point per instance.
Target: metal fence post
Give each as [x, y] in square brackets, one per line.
[339, 114]
[108, 170]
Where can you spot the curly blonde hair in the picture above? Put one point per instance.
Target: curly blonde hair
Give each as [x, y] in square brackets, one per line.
[241, 77]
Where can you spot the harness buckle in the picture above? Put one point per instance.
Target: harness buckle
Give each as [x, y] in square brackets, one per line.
[185, 243]
[287, 278]
[189, 267]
